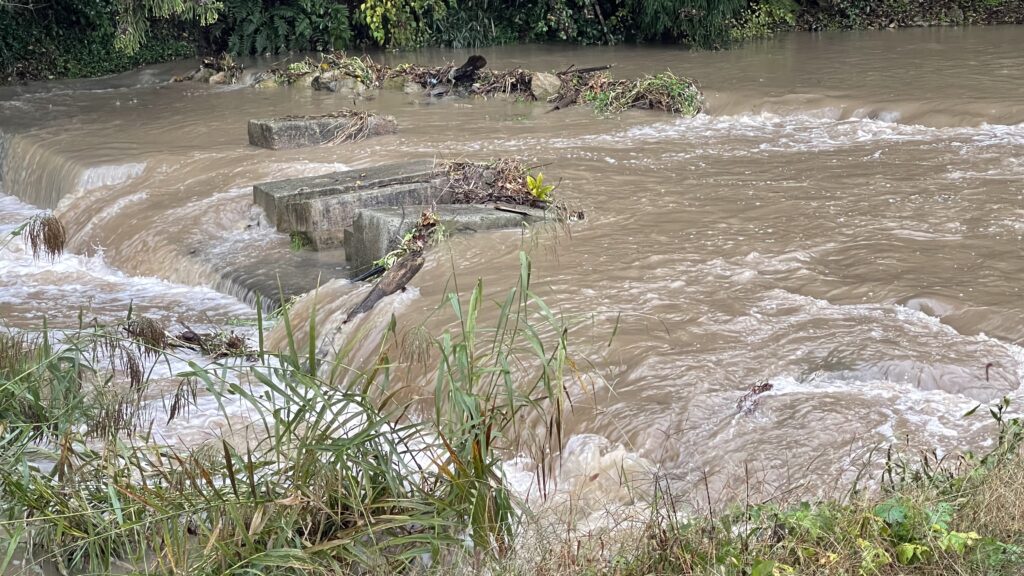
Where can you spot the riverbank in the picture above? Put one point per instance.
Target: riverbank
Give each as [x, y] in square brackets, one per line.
[89, 38]
[321, 471]
[842, 223]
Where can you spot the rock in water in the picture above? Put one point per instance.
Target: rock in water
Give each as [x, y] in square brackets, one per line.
[544, 85]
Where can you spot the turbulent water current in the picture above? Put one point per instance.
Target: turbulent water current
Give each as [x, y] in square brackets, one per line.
[846, 222]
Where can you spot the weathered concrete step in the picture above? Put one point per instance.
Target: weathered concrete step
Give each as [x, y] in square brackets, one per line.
[325, 220]
[377, 231]
[321, 207]
[273, 197]
[303, 131]
[269, 268]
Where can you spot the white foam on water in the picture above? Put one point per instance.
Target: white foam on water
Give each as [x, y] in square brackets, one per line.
[109, 175]
[30, 288]
[594, 481]
[767, 133]
[937, 412]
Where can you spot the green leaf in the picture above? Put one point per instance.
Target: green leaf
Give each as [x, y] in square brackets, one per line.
[763, 568]
[909, 553]
[892, 511]
[941, 515]
[958, 542]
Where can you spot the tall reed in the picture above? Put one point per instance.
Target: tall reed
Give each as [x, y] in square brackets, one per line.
[324, 479]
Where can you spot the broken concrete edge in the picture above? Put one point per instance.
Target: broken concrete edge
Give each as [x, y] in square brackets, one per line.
[277, 197]
[323, 206]
[369, 210]
[377, 233]
[345, 125]
[324, 220]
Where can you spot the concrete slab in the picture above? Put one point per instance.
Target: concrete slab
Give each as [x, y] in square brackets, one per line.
[273, 197]
[325, 219]
[377, 231]
[303, 131]
[270, 271]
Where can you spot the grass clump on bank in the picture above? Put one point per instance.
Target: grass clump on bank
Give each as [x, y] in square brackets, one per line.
[928, 517]
[666, 92]
[345, 478]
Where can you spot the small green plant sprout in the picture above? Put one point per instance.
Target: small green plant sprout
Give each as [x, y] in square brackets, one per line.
[298, 241]
[303, 67]
[538, 189]
[427, 231]
[389, 259]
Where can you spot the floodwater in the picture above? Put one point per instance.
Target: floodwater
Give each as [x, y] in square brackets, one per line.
[845, 222]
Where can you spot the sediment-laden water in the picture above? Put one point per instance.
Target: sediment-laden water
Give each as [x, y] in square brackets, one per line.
[846, 222]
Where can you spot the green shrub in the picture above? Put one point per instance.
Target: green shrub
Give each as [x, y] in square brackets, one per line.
[275, 26]
[763, 19]
[699, 23]
[77, 39]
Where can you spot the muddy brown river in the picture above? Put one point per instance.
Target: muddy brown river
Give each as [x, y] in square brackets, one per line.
[846, 222]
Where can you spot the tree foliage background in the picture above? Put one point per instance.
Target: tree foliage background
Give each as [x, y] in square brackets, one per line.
[74, 38]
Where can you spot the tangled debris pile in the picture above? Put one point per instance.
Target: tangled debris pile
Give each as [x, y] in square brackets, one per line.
[217, 344]
[506, 180]
[748, 403]
[152, 338]
[332, 72]
[220, 70]
[588, 86]
[666, 92]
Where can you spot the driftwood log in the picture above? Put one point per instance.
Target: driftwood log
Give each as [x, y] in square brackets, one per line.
[392, 281]
[462, 76]
[570, 93]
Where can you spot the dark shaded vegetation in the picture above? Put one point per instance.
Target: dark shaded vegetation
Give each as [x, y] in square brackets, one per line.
[81, 38]
[77, 39]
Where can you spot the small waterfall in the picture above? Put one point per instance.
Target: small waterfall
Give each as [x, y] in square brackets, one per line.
[35, 172]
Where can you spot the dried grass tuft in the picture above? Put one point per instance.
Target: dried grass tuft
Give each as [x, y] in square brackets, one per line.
[45, 235]
[503, 180]
[147, 333]
[505, 83]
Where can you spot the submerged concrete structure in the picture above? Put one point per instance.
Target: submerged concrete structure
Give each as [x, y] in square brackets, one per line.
[368, 210]
[304, 131]
[322, 207]
[377, 231]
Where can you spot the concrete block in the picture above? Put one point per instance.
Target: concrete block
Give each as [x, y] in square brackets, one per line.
[274, 196]
[304, 131]
[324, 219]
[377, 231]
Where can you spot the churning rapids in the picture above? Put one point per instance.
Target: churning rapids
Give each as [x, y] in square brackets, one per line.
[846, 222]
